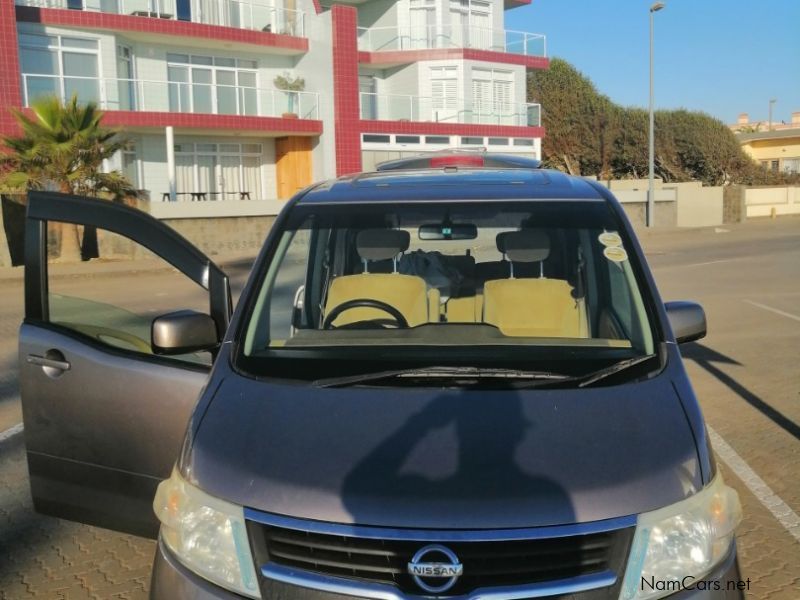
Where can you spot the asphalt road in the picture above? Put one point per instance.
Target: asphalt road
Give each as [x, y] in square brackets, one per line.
[745, 372]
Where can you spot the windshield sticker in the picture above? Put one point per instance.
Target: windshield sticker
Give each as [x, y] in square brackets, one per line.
[610, 239]
[615, 254]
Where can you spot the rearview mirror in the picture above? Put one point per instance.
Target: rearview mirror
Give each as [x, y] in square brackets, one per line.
[448, 231]
[688, 321]
[182, 332]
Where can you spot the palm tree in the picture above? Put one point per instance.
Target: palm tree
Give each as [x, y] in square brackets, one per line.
[62, 147]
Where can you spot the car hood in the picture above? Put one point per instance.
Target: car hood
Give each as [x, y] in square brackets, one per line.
[425, 458]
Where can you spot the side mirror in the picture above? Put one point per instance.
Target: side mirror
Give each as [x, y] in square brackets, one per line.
[688, 321]
[182, 332]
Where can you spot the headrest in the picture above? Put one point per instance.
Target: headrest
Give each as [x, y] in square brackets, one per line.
[382, 244]
[525, 245]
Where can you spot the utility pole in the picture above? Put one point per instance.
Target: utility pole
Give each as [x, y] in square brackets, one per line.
[651, 198]
[771, 104]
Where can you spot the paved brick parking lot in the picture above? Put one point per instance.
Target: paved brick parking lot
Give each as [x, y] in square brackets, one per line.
[746, 374]
[44, 557]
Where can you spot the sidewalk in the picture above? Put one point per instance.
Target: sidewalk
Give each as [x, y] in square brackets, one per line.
[117, 267]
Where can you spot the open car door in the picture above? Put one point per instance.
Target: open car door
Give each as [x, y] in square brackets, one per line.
[104, 414]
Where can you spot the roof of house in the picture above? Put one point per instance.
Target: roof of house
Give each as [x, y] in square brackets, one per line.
[769, 135]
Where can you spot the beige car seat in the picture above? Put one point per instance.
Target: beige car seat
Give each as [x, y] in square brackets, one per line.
[407, 293]
[531, 307]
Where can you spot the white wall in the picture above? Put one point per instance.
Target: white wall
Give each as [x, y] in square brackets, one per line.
[698, 206]
[403, 80]
[381, 13]
[316, 67]
[764, 202]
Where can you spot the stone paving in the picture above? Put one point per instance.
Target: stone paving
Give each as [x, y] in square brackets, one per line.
[43, 557]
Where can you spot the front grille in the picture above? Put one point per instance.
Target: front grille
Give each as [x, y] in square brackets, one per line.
[486, 564]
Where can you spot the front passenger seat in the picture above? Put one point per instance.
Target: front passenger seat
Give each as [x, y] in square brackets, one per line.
[531, 307]
[407, 293]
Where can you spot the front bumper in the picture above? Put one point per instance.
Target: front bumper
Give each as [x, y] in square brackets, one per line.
[172, 580]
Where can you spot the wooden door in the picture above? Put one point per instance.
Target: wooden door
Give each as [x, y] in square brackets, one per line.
[292, 165]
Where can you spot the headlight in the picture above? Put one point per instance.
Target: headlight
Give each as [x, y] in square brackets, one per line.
[679, 544]
[206, 534]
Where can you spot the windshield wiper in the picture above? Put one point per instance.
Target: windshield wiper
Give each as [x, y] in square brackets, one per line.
[439, 372]
[588, 379]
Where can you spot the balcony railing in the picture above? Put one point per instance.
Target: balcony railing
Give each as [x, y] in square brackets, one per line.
[397, 107]
[377, 39]
[242, 14]
[177, 97]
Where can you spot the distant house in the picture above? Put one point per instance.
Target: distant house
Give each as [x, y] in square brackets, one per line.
[776, 146]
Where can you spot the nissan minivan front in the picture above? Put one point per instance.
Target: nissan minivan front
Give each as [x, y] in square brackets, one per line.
[451, 383]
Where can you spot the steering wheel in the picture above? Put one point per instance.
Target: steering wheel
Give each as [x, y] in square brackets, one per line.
[396, 315]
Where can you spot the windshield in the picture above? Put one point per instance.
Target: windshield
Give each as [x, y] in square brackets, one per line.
[518, 284]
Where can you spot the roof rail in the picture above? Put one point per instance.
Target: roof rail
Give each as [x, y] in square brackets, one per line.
[459, 157]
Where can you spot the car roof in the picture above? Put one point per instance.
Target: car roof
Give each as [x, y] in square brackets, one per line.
[451, 183]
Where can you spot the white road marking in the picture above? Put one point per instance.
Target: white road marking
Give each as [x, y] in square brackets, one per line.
[11, 432]
[710, 262]
[700, 264]
[771, 501]
[774, 310]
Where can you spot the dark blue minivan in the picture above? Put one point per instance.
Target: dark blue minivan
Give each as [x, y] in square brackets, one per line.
[444, 379]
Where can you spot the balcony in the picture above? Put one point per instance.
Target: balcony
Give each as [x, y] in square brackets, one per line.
[383, 39]
[174, 97]
[396, 107]
[253, 15]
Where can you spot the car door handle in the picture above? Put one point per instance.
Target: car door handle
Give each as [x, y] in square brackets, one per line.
[43, 361]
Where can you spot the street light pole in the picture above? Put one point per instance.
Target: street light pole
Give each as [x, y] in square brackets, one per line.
[651, 200]
[771, 104]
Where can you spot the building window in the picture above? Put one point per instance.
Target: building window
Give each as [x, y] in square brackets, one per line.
[523, 142]
[130, 165]
[791, 165]
[472, 141]
[422, 31]
[471, 25]
[444, 93]
[407, 139]
[222, 171]
[437, 139]
[59, 65]
[492, 92]
[498, 141]
[375, 138]
[215, 85]
[774, 166]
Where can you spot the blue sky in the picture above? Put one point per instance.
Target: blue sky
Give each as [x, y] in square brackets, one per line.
[719, 56]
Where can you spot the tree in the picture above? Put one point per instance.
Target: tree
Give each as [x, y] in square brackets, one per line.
[587, 134]
[579, 121]
[62, 147]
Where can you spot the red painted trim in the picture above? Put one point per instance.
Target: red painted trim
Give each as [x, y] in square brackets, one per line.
[465, 129]
[347, 112]
[411, 56]
[318, 6]
[167, 27]
[10, 93]
[124, 118]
